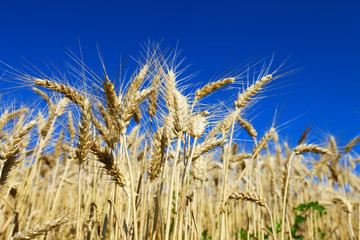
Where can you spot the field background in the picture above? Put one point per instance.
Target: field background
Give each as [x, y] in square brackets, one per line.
[256, 103]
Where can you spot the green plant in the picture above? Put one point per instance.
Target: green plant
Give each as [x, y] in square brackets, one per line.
[302, 212]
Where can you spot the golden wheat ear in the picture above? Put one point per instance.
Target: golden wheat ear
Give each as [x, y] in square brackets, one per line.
[67, 91]
[154, 97]
[112, 101]
[156, 158]
[209, 88]
[247, 126]
[352, 144]
[8, 116]
[41, 229]
[303, 148]
[10, 150]
[85, 134]
[105, 156]
[248, 196]
[263, 142]
[244, 97]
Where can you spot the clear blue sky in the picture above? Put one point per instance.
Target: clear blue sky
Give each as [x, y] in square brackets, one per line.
[323, 38]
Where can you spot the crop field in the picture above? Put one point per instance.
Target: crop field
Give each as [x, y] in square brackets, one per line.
[141, 157]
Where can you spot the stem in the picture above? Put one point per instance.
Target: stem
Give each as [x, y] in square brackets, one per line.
[79, 204]
[40, 144]
[158, 196]
[186, 220]
[284, 197]
[289, 227]
[226, 166]
[58, 190]
[187, 169]
[148, 211]
[184, 185]
[359, 221]
[132, 189]
[272, 222]
[168, 215]
[350, 225]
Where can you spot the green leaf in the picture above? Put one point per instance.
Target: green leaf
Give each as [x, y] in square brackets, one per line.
[243, 234]
[204, 235]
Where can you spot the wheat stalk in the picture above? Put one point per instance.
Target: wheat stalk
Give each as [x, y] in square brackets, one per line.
[255, 198]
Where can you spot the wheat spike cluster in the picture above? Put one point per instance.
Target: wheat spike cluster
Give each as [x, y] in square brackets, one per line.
[141, 157]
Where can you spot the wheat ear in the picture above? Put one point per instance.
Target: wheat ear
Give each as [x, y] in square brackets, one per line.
[197, 125]
[106, 156]
[345, 204]
[85, 134]
[247, 126]
[182, 115]
[249, 92]
[111, 97]
[136, 83]
[224, 125]
[40, 229]
[347, 207]
[351, 144]
[137, 115]
[153, 97]
[70, 126]
[262, 143]
[207, 146]
[43, 95]
[6, 117]
[207, 89]
[248, 196]
[129, 107]
[67, 91]
[240, 157]
[303, 148]
[155, 164]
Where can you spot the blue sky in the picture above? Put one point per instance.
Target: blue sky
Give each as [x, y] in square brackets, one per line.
[322, 38]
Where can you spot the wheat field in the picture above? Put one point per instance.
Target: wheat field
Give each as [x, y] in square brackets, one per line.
[143, 160]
